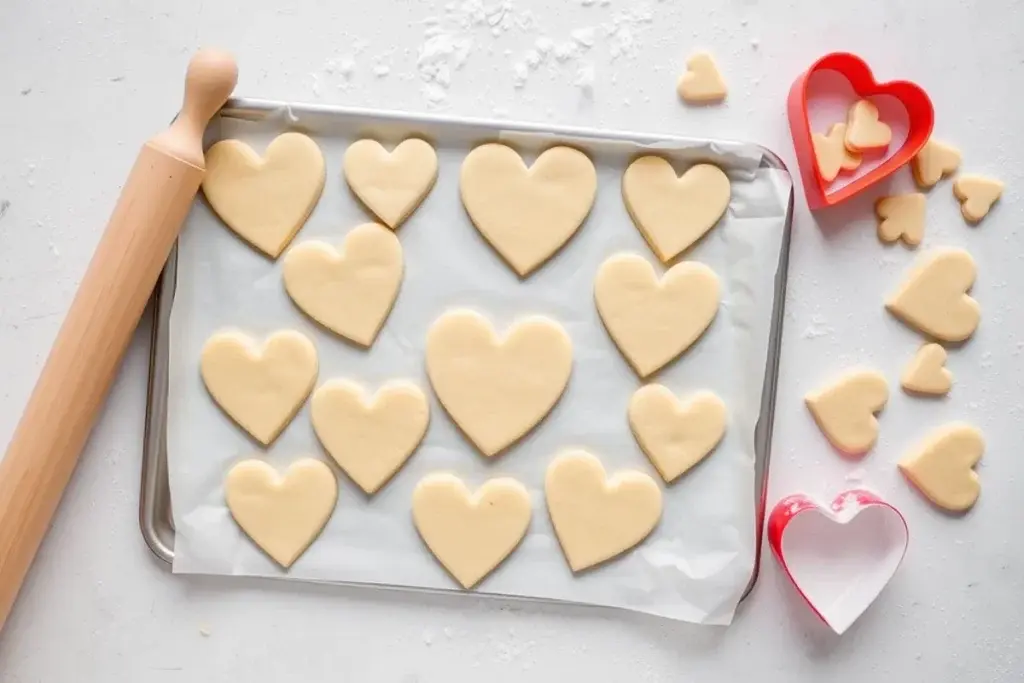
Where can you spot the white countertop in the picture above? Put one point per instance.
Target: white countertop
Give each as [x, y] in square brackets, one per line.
[83, 84]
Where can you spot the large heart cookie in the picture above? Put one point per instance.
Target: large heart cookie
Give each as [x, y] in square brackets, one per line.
[349, 292]
[976, 194]
[283, 515]
[652, 321]
[369, 439]
[391, 185]
[676, 436]
[672, 212]
[470, 533]
[260, 387]
[926, 372]
[702, 83]
[265, 200]
[901, 216]
[495, 389]
[845, 410]
[942, 467]
[598, 518]
[527, 214]
[933, 299]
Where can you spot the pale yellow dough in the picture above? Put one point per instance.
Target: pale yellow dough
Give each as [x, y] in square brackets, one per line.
[391, 185]
[260, 386]
[676, 436]
[496, 389]
[265, 200]
[831, 153]
[935, 160]
[976, 194]
[673, 212]
[596, 517]
[350, 292]
[926, 372]
[702, 82]
[470, 533]
[901, 217]
[653, 320]
[527, 214]
[282, 514]
[942, 467]
[369, 437]
[933, 298]
[845, 410]
[864, 132]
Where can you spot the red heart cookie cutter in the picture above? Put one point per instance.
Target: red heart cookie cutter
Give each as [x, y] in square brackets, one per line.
[920, 115]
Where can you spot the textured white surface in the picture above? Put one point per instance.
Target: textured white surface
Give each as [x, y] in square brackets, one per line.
[100, 77]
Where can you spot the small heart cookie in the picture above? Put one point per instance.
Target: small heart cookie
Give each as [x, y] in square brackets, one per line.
[864, 132]
[265, 201]
[676, 436]
[369, 439]
[653, 320]
[702, 83]
[845, 410]
[597, 517]
[942, 467]
[933, 298]
[391, 185]
[260, 387]
[673, 212]
[976, 194]
[831, 154]
[282, 514]
[926, 373]
[350, 292]
[495, 389]
[527, 214]
[935, 160]
[470, 533]
[901, 217]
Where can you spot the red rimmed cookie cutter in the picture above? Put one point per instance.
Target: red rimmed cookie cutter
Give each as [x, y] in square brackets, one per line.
[921, 118]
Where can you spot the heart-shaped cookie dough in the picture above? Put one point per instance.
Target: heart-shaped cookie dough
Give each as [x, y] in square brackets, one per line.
[676, 436]
[845, 410]
[653, 321]
[926, 373]
[673, 212]
[470, 533]
[901, 217]
[942, 467]
[976, 194]
[283, 515]
[935, 160]
[598, 518]
[864, 131]
[350, 293]
[495, 389]
[260, 387]
[831, 154]
[933, 298]
[391, 185]
[527, 214]
[265, 200]
[369, 439]
[702, 83]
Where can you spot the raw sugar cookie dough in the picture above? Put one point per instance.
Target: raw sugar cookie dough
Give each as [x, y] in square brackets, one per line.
[845, 410]
[391, 184]
[933, 298]
[926, 373]
[831, 153]
[942, 467]
[976, 195]
[935, 161]
[702, 82]
[864, 131]
[901, 217]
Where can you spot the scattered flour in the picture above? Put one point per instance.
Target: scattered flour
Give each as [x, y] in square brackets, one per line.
[819, 327]
[585, 37]
[585, 79]
[381, 70]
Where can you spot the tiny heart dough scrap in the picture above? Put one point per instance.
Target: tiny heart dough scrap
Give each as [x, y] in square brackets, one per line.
[845, 410]
[350, 292]
[976, 194]
[901, 217]
[831, 153]
[495, 389]
[676, 436]
[942, 467]
[673, 212]
[260, 387]
[282, 514]
[926, 373]
[265, 200]
[527, 214]
[597, 517]
[933, 298]
[653, 320]
[935, 160]
[370, 439]
[864, 132]
[391, 185]
[470, 533]
[702, 83]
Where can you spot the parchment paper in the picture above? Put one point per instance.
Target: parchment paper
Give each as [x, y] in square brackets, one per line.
[695, 565]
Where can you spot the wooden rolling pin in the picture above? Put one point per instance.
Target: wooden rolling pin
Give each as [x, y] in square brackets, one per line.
[103, 316]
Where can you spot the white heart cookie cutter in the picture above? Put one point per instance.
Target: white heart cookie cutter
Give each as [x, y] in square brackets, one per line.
[839, 556]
